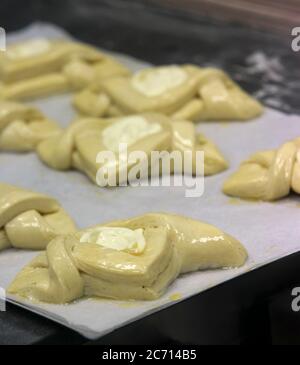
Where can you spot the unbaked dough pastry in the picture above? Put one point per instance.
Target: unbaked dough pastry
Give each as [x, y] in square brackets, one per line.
[79, 145]
[22, 127]
[136, 258]
[267, 175]
[182, 92]
[30, 220]
[41, 67]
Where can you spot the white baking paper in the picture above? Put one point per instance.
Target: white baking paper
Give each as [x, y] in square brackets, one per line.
[268, 230]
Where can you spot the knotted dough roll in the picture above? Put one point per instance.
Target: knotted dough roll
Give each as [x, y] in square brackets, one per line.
[267, 175]
[22, 127]
[30, 220]
[135, 258]
[41, 67]
[80, 144]
[182, 92]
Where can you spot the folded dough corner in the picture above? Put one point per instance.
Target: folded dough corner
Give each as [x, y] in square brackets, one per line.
[181, 92]
[40, 67]
[79, 145]
[30, 220]
[22, 127]
[267, 175]
[135, 258]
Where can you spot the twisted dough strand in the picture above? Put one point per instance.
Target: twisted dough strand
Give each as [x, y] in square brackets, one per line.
[267, 175]
[206, 94]
[61, 66]
[79, 144]
[30, 220]
[22, 127]
[70, 268]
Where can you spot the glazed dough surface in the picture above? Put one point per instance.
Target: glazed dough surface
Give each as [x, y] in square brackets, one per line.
[30, 220]
[182, 92]
[117, 238]
[70, 269]
[128, 130]
[155, 82]
[78, 146]
[41, 67]
[22, 127]
[267, 175]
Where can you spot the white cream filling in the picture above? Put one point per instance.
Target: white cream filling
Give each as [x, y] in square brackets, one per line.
[117, 238]
[29, 49]
[156, 81]
[128, 131]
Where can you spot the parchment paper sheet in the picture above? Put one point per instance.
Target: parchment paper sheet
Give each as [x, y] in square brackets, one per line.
[268, 230]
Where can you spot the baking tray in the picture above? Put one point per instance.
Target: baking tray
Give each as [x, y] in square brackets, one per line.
[252, 223]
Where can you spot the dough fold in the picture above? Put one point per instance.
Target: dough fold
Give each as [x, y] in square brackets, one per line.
[267, 175]
[70, 268]
[181, 92]
[30, 220]
[80, 144]
[22, 127]
[40, 67]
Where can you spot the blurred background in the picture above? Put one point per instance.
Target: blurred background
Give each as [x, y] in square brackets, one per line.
[273, 15]
[250, 39]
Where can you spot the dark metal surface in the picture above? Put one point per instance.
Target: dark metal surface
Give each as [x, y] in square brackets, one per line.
[237, 311]
[18, 326]
[240, 311]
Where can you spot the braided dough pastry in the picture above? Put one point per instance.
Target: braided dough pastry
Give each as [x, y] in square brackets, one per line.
[22, 127]
[182, 92]
[136, 258]
[40, 67]
[79, 145]
[30, 220]
[267, 175]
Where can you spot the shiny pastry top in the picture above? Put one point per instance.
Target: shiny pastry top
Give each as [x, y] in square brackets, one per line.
[79, 145]
[30, 220]
[182, 92]
[136, 258]
[267, 175]
[41, 66]
[22, 127]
